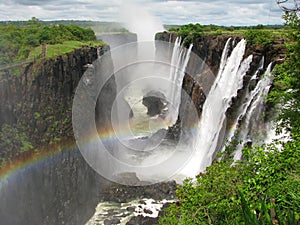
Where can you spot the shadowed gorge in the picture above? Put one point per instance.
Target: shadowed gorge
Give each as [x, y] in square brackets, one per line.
[59, 184]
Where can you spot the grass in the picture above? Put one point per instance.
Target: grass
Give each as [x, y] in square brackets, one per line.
[63, 48]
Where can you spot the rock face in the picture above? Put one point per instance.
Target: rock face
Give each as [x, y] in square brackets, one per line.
[43, 91]
[122, 193]
[62, 188]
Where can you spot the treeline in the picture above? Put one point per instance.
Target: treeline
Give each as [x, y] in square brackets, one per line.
[213, 27]
[97, 26]
[262, 35]
[16, 42]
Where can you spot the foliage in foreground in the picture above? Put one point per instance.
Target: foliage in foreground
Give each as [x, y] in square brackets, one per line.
[264, 188]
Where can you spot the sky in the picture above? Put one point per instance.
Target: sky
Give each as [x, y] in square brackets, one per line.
[226, 12]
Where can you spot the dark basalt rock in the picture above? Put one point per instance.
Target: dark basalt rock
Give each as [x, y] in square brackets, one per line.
[142, 220]
[62, 188]
[123, 193]
[155, 102]
[112, 221]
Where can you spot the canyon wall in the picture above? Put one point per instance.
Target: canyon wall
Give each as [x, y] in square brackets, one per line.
[52, 183]
[62, 188]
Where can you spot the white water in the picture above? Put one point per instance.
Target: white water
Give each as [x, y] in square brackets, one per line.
[213, 118]
[140, 207]
[254, 110]
[244, 107]
[179, 60]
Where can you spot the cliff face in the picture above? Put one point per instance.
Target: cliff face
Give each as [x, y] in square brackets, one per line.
[62, 188]
[44, 88]
[209, 48]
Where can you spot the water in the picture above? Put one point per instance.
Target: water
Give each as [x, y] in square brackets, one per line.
[244, 106]
[254, 114]
[179, 60]
[210, 129]
[109, 211]
[139, 143]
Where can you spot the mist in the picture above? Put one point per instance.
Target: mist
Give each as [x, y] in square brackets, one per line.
[138, 20]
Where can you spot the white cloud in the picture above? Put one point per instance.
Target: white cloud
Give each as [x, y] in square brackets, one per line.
[230, 12]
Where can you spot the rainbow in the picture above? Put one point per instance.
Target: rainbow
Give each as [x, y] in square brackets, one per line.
[46, 152]
[32, 157]
[68, 144]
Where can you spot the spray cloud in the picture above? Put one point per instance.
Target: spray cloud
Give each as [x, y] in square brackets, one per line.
[138, 20]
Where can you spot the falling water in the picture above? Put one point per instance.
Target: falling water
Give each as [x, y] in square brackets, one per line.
[244, 107]
[210, 129]
[179, 60]
[254, 111]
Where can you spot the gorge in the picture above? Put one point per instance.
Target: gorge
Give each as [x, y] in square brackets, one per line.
[61, 187]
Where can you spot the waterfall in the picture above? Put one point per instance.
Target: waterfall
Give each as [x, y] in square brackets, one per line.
[179, 61]
[210, 129]
[254, 111]
[244, 107]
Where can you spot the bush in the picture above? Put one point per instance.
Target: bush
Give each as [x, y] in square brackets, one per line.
[189, 32]
[260, 37]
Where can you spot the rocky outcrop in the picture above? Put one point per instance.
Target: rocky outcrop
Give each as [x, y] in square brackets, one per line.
[121, 193]
[155, 102]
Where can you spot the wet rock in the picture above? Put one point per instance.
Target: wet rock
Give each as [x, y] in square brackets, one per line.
[142, 202]
[156, 103]
[124, 193]
[130, 208]
[148, 211]
[142, 220]
[112, 221]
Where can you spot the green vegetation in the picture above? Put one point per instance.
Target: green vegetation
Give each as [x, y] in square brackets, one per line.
[263, 188]
[259, 35]
[13, 141]
[17, 42]
[63, 48]
[97, 26]
[189, 32]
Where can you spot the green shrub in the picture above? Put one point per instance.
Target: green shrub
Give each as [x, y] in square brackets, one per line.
[189, 32]
[260, 37]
